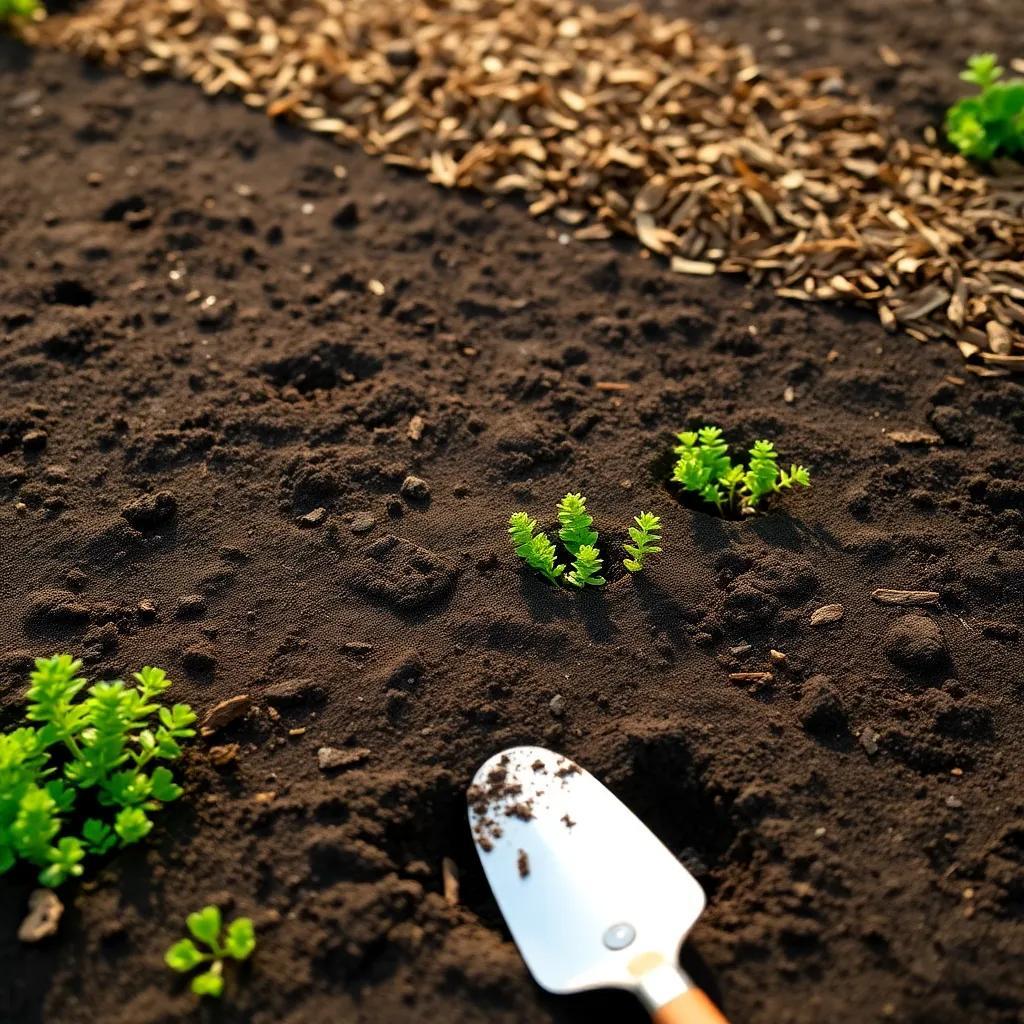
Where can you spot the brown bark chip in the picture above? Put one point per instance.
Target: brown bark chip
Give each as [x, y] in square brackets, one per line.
[621, 121]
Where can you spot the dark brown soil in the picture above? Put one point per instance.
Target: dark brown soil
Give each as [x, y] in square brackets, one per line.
[218, 489]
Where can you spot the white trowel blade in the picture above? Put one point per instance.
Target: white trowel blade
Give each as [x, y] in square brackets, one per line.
[585, 887]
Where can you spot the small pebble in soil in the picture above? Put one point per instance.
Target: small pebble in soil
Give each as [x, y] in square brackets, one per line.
[224, 755]
[191, 606]
[44, 914]
[415, 488]
[363, 522]
[147, 609]
[311, 519]
[916, 642]
[869, 740]
[557, 705]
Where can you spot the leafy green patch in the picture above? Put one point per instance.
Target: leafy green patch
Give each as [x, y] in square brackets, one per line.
[992, 122]
[206, 925]
[99, 749]
[579, 538]
[18, 9]
[705, 468]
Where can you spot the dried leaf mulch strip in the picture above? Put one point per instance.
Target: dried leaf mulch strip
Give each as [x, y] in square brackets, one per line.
[620, 121]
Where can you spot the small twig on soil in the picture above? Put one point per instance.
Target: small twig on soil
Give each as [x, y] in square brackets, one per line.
[905, 597]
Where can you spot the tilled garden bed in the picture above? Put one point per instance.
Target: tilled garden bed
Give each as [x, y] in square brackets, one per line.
[227, 343]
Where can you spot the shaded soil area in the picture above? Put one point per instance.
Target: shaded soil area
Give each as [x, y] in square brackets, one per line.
[218, 336]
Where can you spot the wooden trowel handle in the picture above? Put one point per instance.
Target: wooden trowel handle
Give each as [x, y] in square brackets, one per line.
[692, 1007]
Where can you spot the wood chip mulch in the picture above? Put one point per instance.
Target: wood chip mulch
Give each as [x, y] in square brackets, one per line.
[619, 122]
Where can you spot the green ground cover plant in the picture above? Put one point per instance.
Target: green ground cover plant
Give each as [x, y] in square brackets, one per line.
[98, 753]
[18, 9]
[237, 941]
[579, 539]
[705, 468]
[992, 122]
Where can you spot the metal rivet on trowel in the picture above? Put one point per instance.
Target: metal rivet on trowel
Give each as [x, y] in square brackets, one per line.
[619, 936]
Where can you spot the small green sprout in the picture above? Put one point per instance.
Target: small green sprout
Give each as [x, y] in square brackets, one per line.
[645, 536]
[575, 532]
[580, 540]
[535, 549]
[206, 926]
[10, 9]
[705, 468]
[586, 568]
[97, 750]
[992, 122]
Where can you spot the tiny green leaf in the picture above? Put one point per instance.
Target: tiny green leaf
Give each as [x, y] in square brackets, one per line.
[99, 837]
[131, 825]
[241, 938]
[163, 786]
[205, 925]
[183, 955]
[209, 983]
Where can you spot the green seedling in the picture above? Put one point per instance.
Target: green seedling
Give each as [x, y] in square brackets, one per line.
[645, 536]
[705, 468]
[586, 568]
[237, 942]
[576, 529]
[10, 9]
[535, 549]
[98, 750]
[992, 122]
[580, 540]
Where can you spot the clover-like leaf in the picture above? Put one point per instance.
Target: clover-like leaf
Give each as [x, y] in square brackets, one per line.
[241, 938]
[163, 786]
[99, 837]
[205, 925]
[131, 825]
[209, 983]
[183, 955]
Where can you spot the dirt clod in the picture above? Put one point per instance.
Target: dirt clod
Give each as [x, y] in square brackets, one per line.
[150, 511]
[916, 642]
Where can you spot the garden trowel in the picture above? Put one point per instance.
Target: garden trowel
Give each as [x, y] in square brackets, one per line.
[591, 896]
